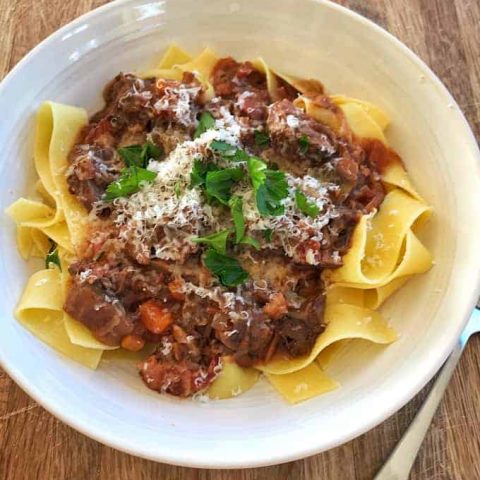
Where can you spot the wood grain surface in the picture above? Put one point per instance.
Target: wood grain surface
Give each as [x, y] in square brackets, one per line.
[35, 445]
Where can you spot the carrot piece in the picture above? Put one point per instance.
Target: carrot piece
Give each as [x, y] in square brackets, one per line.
[134, 343]
[155, 317]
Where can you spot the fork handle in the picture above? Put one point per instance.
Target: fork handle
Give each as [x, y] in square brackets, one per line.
[400, 462]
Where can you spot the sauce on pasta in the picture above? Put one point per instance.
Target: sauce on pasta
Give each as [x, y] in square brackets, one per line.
[227, 217]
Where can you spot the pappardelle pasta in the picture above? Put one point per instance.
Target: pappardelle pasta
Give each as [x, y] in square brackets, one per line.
[224, 220]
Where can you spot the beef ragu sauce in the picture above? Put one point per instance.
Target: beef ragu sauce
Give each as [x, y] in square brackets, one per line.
[142, 279]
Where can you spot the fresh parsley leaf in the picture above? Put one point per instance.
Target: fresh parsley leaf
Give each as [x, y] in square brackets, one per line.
[205, 123]
[261, 138]
[52, 256]
[219, 183]
[199, 172]
[138, 156]
[267, 234]
[150, 151]
[250, 241]
[270, 187]
[256, 169]
[236, 208]
[217, 240]
[303, 144]
[305, 205]
[178, 191]
[222, 147]
[229, 152]
[129, 182]
[226, 269]
[131, 155]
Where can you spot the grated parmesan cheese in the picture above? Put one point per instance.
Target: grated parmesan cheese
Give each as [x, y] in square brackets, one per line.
[293, 121]
[294, 227]
[158, 224]
[179, 100]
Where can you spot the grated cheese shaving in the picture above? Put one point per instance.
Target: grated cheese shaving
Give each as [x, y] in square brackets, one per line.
[179, 100]
[158, 224]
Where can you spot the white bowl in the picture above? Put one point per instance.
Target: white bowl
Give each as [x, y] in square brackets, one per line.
[303, 37]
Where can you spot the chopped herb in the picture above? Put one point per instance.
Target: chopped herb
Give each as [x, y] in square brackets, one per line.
[205, 123]
[256, 169]
[236, 208]
[138, 156]
[131, 155]
[226, 269]
[178, 191]
[52, 257]
[199, 172]
[261, 138]
[305, 205]
[151, 151]
[270, 187]
[303, 144]
[250, 241]
[222, 147]
[219, 183]
[130, 181]
[229, 152]
[217, 240]
[267, 234]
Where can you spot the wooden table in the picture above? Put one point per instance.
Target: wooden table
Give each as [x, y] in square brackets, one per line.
[34, 445]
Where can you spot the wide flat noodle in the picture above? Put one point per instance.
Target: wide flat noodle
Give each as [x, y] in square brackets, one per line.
[62, 220]
[376, 113]
[60, 234]
[303, 85]
[320, 113]
[367, 120]
[361, 123]
[57, 129]
[41, 244]
[338, 294]
[232, 381]
[384, 247]
[44, 195]
[272, 79]
[41, 311]
[24, 242]
[80, 335]
[307, 383]
[29, 213]
[396, 176]
[176, 62]
[174, 55]
[201, 66]
[343, 322]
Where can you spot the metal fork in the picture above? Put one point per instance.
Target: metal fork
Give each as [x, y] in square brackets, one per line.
[400, 461]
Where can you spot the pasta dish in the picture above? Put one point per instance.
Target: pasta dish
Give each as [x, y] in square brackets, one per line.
[223, 220]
